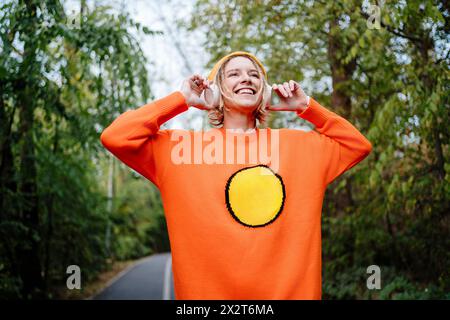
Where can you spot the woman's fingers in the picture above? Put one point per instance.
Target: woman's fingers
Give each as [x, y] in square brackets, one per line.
[293, 85]
[192, 88]
[287, 89]
[197, 79]
[281, 88]
[198, 83]
[291, 96]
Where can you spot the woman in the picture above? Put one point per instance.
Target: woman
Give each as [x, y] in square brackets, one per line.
[240, 229]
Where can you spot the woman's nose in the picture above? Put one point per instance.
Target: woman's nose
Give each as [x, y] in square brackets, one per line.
[246, 78]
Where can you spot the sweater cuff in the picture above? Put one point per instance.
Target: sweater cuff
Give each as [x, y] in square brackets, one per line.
[315, 113]
[173, 104]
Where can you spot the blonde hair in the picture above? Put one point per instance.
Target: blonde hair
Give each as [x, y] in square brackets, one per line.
[216, 115]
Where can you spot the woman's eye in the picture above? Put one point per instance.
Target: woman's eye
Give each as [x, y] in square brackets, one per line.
[255, 75]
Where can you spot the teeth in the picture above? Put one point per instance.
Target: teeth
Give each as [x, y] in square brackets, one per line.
[244, 91]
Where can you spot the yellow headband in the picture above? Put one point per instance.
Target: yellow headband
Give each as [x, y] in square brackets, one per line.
[216, 67]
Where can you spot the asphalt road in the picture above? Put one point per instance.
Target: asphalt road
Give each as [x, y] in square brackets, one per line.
[148, 279]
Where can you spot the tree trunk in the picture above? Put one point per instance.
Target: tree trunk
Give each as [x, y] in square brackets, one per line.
[49, 205]
[8, 185]
[29, 257]
[340, 73]
[340, 100]
[425, 46]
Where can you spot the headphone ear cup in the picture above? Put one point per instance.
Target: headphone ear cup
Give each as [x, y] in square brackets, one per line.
[212, 95]
[268, 95]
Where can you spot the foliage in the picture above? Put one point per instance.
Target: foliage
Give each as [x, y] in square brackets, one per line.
[61, 82]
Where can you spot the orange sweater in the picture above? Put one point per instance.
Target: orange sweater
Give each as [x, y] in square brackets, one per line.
[240, 231]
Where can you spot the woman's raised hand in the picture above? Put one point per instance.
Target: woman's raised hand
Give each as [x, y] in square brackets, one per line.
[192, 89]
[292, 97]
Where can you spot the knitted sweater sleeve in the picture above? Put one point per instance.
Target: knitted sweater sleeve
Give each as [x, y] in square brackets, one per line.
[134, 137]
[342, 145]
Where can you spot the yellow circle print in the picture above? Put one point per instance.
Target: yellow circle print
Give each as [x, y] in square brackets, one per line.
[255, 196]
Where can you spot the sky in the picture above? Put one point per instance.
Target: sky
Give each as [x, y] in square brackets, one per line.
[169, 68]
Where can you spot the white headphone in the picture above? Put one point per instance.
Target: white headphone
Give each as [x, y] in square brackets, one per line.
[212, 95]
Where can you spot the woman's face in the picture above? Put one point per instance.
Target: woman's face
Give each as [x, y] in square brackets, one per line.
[242, 81]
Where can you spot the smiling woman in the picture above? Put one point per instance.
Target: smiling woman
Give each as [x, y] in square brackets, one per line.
[246, 229]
